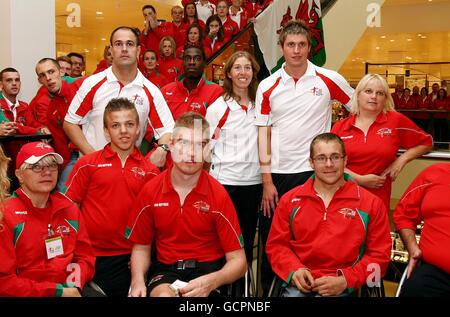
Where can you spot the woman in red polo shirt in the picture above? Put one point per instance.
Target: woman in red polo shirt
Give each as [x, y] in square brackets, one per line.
[214, 37]
[230, 27]
[150, 59]
[441, 103]
[373, 134]
[169, 66]
[194, 36]
[190, 14]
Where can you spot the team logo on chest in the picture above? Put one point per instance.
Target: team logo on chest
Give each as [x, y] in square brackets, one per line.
[316, 91]
[137, 100]
[348, 213]
[384, 132]
[195, 106]
[201, 206]
[138, 171]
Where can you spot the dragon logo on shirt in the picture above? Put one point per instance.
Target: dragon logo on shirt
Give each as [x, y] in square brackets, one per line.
[138, 171]
[384, 132]
[348, 213]
[195, 106]
[201, 206]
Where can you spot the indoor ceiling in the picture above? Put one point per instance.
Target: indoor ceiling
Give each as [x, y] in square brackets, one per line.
[416, 42]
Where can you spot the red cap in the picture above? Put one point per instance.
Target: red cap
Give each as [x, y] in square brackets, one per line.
[31, 153]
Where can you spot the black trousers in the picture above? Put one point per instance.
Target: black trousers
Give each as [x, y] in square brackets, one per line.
[246, 201]
[283, 184]
[427, 281]
[113, 275]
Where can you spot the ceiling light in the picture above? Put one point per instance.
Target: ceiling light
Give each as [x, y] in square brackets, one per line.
[103, 39]
[377, 48]
[383, 36]
[99, 12]
[423, 36]
[409, 40]
[392, 40]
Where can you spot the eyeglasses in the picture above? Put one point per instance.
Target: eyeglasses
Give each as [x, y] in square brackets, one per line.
[322, 159]
[40, 168]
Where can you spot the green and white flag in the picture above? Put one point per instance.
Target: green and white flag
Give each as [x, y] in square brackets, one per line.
[270, 22]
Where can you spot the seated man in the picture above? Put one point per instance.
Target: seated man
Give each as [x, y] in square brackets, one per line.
[106, 183]
[190, 219]
[429, 263]
[57, 263]
[328, 234]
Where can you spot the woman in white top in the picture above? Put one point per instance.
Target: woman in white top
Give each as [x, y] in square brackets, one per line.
[234, 145]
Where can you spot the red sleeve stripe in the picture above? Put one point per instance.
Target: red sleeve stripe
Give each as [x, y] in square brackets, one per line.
[154, 118]
[221, 123]
[336, 93]
[265, 105]
[86, 104]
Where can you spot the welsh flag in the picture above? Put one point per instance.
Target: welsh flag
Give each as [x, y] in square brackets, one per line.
[270, 22]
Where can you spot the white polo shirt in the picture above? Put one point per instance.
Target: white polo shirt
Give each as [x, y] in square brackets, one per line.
[234, 141]
[90, 101]
[204, 11]
[297, 112]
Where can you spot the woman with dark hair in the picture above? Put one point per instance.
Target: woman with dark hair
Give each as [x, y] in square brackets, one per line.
[190, 14]
[194, 37]
[423, 103]
[230, 27]
[234, 161]
[214, 35]
[151, 73]
[440, 119]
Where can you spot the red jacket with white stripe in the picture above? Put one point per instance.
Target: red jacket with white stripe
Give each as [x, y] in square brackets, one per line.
[25, 269]
[346, 238]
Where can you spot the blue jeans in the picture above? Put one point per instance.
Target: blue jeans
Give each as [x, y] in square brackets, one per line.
[293, 291]
[66, 171]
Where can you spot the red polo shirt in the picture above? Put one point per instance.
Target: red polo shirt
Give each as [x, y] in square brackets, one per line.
[157, 79]
[204, 228]
[170, 68]
[427, 198]
[106, 191]
[374, 152]
[180, 100]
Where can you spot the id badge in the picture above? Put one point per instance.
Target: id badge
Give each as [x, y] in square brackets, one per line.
[54, 247]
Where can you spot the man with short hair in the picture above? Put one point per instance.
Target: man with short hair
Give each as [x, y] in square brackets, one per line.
[65, 64]
[190, 219]
[192, 92]
[154, 30]
[121, 80]
[106, 183]
[329, 236]
[78, 64]
[292, 106]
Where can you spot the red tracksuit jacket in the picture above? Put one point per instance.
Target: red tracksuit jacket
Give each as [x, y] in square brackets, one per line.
[343, 239]
[24, 267]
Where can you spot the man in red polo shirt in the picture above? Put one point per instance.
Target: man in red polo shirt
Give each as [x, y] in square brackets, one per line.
[190, 219]
[193, 92]
[106, 184]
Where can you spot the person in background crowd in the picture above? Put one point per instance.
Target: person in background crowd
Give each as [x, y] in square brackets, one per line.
[65, 65]
[106, 61]
[434, 92]
[169, 66]
[423, 103]
[184, 213]
[105, 184]
[78, 64]
[294, 101]
[194, 36]
[426, 199]
[238, 14]
[440, 119]
[234, 142]
[45, 248]
[151, 69]
[327, 233]
[179, 26]
[408, 102]
[205, 9]
[61, 94]
[214, 34]
[191, 15]
[397, 95]
[154, 31]
[122, 79]
[373, 134]
[230, 27]
[254, 7]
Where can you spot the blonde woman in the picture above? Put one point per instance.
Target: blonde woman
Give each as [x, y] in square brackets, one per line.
[373, 134]
[169, 66]
[4, 181]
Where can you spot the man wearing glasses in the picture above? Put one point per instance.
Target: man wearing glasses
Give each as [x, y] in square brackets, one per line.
[329, 236]
[192, 92]
[121, 80]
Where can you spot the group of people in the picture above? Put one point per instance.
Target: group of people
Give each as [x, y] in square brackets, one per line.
[181, 219]
[437, 99]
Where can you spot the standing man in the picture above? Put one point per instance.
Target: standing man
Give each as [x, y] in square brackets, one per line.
[329, 234]
[78, 64]
[193, 92]
[190, 219]
[106, 183]
[292, 106]
[121, 80]
[154, 30]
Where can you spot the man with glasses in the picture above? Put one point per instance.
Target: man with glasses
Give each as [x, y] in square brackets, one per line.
[121, 80]
[78, 64]
[192, 92]
[190, 220]
[329, 236]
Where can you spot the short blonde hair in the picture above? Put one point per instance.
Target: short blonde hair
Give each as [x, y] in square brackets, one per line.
[389, 104]
[172, 42]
